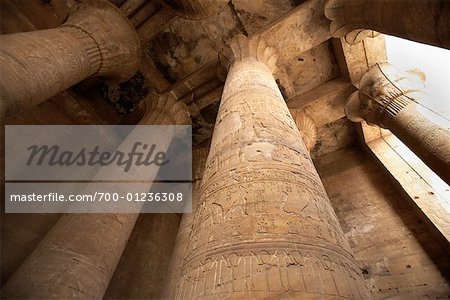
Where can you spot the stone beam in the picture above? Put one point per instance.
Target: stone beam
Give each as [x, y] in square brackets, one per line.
[130, 6]
[303, 28]
[148, 10]
[324, 103]
[155, 24]
[355, 60]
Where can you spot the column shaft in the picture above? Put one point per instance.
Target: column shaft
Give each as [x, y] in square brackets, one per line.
[264, 227]
[180, 250]
[97, 39]
[418, 20]
[427, 140]
[40, 64]
[77, 258]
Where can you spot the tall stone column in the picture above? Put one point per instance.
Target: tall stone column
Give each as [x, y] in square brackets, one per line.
[264, 227]
[77, 258]
[389, 98]
[97, 39]
[417, 20]
[199, 156]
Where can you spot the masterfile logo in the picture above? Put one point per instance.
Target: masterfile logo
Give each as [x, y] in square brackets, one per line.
[53, 155]
[99, 169]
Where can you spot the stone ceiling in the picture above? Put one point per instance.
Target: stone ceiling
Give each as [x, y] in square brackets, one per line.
[181, 56]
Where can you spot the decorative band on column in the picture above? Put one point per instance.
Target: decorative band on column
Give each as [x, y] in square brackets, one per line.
[356, 36]
[109, 28]
[90, 46]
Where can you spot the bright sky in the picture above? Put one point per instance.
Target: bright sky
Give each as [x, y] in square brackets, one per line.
[433, 61]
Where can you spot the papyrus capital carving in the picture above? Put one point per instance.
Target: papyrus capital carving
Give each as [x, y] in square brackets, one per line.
[306, 127]
[254, 47]
[165, 109]
[384, 91]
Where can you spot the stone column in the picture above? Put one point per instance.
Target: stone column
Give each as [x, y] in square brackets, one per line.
[97, 39]
[180, 251]
[306, 127]
[264, 227]
[417, 20]
[77, 258]
[389, 98]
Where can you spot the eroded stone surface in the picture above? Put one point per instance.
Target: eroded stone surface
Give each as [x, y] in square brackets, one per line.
[264, 226]
[83, 250]
[399, 18]
[97, 39]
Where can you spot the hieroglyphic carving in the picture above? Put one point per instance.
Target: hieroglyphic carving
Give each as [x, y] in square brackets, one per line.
[83, 250]
[264, 225]
[180, 251]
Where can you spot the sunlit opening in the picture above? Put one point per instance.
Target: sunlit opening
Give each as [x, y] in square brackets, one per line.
[435, 63]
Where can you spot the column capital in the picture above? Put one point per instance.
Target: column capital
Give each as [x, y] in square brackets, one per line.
[306, 126]
[113, 34]
[253, 47]
[356, 36]
[196, 9]
[337, 12]
[165, 109]
[416, 20]
[384, 91]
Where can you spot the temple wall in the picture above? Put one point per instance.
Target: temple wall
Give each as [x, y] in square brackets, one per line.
[398, 254]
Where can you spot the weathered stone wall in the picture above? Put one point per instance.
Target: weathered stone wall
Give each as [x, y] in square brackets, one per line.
[398, 254]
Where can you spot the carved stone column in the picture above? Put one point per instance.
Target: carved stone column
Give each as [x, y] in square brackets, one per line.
[418, 20]
[388, 97]
[264, 227]
[180, 252]
[77, 258]
[306, 127]
[97, 39]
